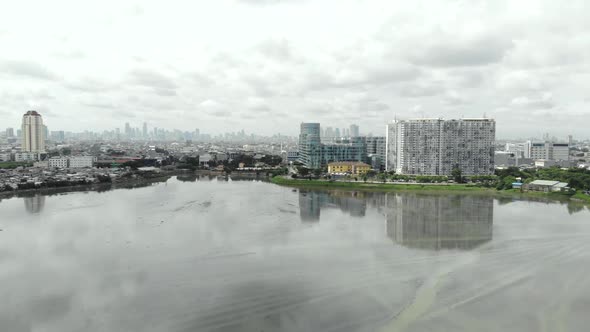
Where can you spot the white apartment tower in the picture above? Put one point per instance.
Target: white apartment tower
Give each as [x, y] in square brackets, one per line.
[437, 146]
[33, 138]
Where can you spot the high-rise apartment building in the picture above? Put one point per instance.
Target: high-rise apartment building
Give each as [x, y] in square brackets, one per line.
[33, 139]
[145, 130]
[354, 130]
[9, 132]
[437, 146]
[548, 150]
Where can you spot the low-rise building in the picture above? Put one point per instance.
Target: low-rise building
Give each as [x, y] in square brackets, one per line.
[81, 161]
[546, 186]
[5, 156]
[58, 162]
[343, 167]
[72, 162]
[543, 163]
[25, 156]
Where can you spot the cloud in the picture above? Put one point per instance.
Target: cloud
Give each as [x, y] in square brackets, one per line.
[122, 114]
[521, 81]
[453, 98]
[69, 54]
[165, 92]
[201, 79]
[544, 101]
[258, 105]
[375, 75]
[151, 78]
[279, 50]
[447, 51]
[99, 104]
[26, 68]
[214, 108]
[421, 90]
[268, 2]
[89, 84]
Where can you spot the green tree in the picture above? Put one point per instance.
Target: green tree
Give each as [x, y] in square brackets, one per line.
[303, 171]
[317, 172]
[457, 175]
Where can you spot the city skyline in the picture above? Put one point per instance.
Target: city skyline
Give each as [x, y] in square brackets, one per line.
[13, 131]
[365, 63]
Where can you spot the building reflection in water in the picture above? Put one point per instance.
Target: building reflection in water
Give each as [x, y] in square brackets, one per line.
[439, 222]
[311, 203]
[34, 204]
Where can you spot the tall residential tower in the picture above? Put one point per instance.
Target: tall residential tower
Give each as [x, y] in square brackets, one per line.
[33, 138]
[437, 146]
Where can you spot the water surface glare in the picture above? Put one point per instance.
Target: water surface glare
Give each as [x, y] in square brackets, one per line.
[210, 255]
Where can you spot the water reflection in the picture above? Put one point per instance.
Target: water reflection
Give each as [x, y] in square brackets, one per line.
[311, 203]
[439, 222]
[34, 204]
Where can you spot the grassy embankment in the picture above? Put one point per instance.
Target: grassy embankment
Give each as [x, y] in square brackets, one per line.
[320, 184]
[581, 197]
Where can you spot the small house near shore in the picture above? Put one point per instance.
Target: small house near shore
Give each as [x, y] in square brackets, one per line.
[546, 186]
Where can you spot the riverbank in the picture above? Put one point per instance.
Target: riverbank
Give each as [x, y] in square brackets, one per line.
[430, 188]
[321, 184]
[124, 183]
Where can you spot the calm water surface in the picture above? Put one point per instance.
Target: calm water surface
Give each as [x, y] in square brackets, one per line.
[251, 256]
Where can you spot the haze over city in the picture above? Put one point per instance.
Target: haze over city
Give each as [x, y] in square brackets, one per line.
[265, 66]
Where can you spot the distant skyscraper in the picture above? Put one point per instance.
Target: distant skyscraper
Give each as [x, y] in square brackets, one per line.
[310, 147]
[33, 139]
[145, 130]
[570, 140]
[337, 132]
[127, 129]
[58, 136]
[437, 146]
[354, 130]
[9, 132]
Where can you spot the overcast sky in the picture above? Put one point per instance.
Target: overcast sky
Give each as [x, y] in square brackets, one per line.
[267, 65]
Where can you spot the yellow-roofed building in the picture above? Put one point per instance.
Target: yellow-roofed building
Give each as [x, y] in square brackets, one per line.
[348, 167]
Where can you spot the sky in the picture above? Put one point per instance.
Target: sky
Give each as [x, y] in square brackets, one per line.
[267, 65]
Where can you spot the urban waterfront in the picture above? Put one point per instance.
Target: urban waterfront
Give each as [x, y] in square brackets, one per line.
[202, 254]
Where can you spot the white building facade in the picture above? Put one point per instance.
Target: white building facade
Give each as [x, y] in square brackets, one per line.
[72, 162]
[25, 156]
[437, 146]
[548, 150]
[81, 161]
[59, 162]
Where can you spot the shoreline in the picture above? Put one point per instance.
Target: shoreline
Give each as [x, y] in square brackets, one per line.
[579, 198]
[431, 188]
[97, 187]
